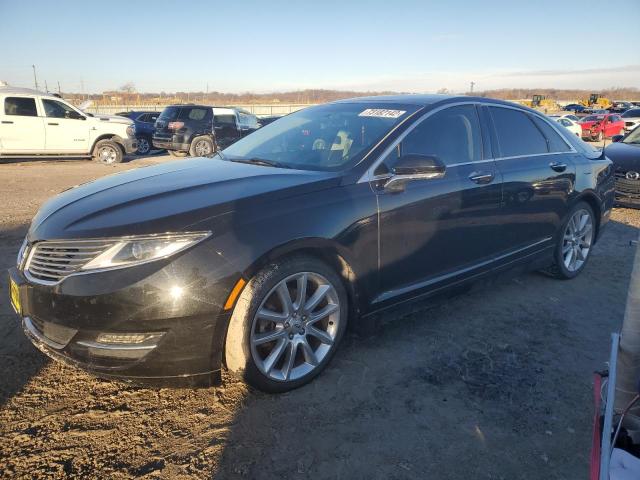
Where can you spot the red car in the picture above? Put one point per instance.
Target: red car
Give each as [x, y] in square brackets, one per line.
[596, 127]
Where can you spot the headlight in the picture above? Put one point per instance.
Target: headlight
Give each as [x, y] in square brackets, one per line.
[131, 130]
[135, 250]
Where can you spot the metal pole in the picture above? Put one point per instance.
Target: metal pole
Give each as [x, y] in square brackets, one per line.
[35, 78]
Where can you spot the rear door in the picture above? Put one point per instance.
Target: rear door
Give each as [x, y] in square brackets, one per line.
[434, 231]
[67, 131]
[538, 175]
[21, 128]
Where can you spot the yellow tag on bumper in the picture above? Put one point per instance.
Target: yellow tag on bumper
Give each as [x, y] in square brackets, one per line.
[14, 293]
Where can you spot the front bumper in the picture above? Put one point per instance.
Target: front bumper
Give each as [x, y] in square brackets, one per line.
[130, 145]
[128, 324]
[627, 192]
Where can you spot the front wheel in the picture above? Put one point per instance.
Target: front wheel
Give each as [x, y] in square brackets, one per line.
[574, 242]
[144, 145]
[107, 151]
[287, 324]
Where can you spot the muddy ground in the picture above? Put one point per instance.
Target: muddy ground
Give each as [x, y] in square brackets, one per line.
[492, 384]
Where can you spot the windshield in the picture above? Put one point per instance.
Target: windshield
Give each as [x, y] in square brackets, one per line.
[633, 138]
[327, 137]
[633, 113]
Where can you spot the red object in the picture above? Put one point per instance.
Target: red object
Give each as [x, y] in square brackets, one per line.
[594, 464]
[612, 122]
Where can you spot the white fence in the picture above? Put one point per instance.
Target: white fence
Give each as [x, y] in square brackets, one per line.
[264, 110]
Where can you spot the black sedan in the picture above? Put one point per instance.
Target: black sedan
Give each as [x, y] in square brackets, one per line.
[625, 154]
[256, 259]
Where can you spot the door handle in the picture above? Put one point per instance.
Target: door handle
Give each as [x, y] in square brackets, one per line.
[52, 123]
[6, 121]
[481, 177]
[558, 167]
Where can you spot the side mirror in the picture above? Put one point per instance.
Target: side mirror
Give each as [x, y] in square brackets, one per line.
[74, 115]
[617, 138]
[415, 167]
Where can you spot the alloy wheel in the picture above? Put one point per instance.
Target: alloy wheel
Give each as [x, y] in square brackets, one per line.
[295, 327]
[107, 154]
[143, 146]
[577, 240]
[202, 148]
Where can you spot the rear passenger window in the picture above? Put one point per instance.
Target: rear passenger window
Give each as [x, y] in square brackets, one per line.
[517, 134]
[222, 120]
[197, 113]
[452, 134]
[22, 106]
[556, 143]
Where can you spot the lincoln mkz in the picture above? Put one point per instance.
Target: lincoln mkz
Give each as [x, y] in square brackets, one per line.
[255, 260]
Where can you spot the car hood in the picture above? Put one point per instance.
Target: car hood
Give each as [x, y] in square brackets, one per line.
[625, 157]
[167, 197]
[111, 119]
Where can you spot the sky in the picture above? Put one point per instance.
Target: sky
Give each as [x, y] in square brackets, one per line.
[275, 45]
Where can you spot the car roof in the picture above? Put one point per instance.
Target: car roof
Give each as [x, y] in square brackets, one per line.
[425, 100]
[9, 90]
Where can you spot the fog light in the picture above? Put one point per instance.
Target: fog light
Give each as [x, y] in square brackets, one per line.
[128, 338]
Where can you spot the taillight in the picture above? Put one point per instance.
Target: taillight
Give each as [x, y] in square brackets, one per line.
[175, 125]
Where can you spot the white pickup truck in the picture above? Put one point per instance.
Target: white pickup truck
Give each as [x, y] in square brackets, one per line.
[37, 124]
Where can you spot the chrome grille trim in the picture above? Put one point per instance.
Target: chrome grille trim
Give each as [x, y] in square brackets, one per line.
[50, 262]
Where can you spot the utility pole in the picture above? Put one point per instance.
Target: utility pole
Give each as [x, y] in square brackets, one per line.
[35, 78]
[59, 91]
[472, 84]
[46, 87]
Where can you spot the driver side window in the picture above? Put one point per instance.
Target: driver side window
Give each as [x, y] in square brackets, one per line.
[55, 109]
[452, 134]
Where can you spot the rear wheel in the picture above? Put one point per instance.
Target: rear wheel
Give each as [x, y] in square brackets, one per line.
[177, 154]
[287, 324]
[107, 151]
[202, 147]
[574, 242]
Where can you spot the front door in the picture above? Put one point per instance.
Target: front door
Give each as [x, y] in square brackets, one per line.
[21, 129]
[67, 131]
[435, 231]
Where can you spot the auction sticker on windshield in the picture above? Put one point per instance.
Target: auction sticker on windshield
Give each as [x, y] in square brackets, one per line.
[381, 113]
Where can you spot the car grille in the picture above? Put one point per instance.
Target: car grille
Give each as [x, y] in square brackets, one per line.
[626, 186]
[51, 261]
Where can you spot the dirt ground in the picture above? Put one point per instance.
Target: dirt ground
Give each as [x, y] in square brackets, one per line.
[491, 384]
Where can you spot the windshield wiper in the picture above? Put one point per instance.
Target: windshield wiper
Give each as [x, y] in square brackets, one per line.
[259, 161]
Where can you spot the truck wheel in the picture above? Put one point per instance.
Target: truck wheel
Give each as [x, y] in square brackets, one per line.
[177, 154]
[202, 147]
[107, 151]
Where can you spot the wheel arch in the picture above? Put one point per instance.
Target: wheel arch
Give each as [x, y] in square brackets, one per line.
[591, 199]
[108, 136]
[326, 251]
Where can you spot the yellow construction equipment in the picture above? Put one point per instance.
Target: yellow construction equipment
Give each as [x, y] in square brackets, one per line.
[596, 100]
[540, 101]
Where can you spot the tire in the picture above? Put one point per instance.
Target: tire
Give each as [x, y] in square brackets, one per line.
[600, 136]
[259, 348]
[567, 240]
[202, 146]
[177, 154]
[144, 145]
[108, 152]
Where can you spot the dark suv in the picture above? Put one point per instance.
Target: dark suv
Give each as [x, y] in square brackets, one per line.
[145, 126]
[200, 130]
